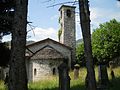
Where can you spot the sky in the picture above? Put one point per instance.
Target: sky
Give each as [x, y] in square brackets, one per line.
[45, 19]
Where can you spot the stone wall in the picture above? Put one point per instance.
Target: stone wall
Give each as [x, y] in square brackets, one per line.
[60, 48]
[42, 69]
[44, 57]
[67, 22]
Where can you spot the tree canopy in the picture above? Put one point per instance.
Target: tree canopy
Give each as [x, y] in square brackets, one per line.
[105, 42]
[6, 16]
[80, 54]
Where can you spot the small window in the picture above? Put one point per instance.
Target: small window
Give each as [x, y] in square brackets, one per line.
[54, 71]
[68, 12]
[35, 71]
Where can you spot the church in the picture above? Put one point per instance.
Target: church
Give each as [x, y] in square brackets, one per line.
[44, 57]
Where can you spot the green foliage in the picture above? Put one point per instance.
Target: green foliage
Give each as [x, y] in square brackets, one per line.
[105, 43]
[59, 19]
[79, 41]
[106, 40]
[80, 54]
[59, 33]
[4, 54]
[6, 16]
[60, 30]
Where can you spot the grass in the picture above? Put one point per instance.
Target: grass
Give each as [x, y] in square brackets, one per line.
[52, 82]
[115, 84]
[2, 86]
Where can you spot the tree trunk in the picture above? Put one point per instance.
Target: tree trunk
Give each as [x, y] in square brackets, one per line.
[85, 26]
[17, 74]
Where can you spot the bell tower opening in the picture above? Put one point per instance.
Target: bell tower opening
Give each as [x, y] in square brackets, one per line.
[68, 12]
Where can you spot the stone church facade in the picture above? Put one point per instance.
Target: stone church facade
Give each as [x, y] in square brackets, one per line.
[44, 57]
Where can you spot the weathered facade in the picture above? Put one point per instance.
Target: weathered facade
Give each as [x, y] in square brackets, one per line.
[44, 57]
[67, 24]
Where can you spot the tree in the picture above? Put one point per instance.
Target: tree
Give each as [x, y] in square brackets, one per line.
[80, 55]
[17, 74]
[106, 41]
[6, 17]
[106, 46]
[85, 26]
[4, 54]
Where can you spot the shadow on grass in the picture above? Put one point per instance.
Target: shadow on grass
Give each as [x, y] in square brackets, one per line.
[76, 87]
[115, 84]
[45, 89]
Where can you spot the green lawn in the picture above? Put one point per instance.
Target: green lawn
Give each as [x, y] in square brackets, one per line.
[52, 83]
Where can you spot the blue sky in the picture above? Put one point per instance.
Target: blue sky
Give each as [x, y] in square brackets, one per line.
[45, 20]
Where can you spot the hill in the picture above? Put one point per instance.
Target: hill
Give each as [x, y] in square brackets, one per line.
[79, 41]
[28, 42]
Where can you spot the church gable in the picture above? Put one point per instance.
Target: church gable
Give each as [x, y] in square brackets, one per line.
[45, 59]
[35, 47]
[47, 52]
[48, 49]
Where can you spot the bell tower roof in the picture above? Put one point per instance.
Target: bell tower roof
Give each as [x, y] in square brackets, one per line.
[66, 6]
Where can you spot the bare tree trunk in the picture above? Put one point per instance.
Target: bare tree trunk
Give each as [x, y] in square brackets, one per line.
[85, 25]
[17, 74]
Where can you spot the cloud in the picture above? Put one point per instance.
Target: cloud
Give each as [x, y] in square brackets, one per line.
[41, 33]
[97, 16]
[54, 17]
[38, 34]
[6, 38]
[101, 15]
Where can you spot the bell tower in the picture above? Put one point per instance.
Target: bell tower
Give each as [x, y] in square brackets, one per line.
[67, 28]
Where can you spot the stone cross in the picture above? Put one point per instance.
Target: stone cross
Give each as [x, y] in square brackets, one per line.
[64, 79]
[76, 71]
[111, 65]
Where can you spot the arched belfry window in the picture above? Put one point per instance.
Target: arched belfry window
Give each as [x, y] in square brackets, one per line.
[68, 12]
[35, 71]
[61, 14]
